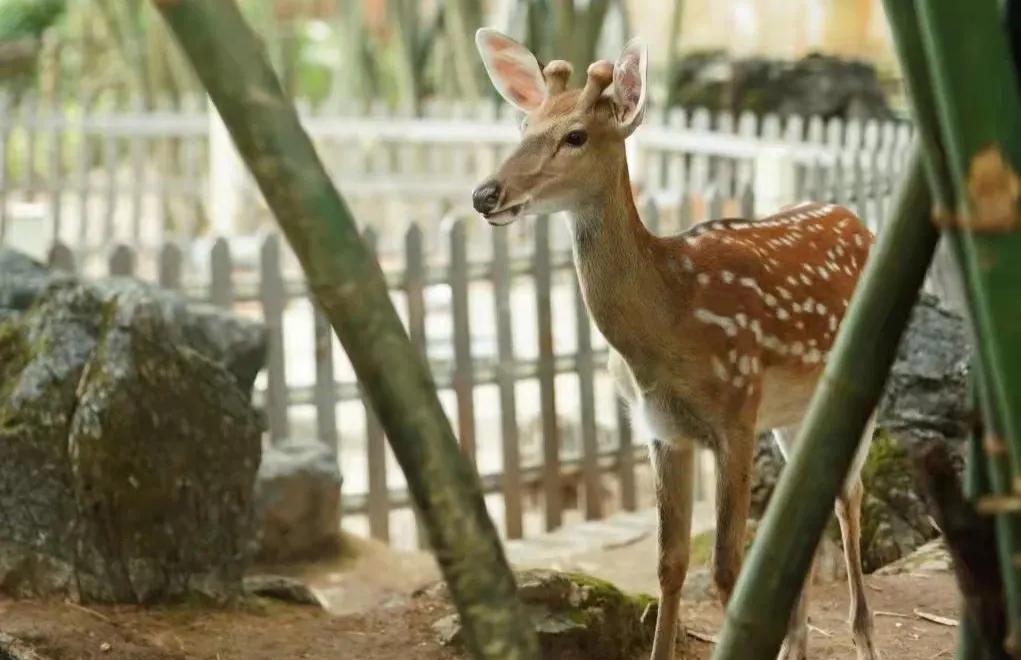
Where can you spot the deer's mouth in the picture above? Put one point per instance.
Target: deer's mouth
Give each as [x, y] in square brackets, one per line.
[505, 215]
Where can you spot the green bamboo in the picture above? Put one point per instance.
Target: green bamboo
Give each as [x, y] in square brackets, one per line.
[995, 474]
[980, 117]
[979, 111]
[348, 286]
[848, 392]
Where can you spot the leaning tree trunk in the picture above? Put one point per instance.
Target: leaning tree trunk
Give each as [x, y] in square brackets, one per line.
[348, 284]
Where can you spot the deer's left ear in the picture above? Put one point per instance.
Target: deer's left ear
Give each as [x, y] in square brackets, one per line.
[630, 88]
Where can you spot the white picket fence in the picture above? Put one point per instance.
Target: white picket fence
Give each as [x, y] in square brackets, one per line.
[497, 312]
[86, 176]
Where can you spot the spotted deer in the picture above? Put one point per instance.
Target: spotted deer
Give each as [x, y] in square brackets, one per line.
[717, 334]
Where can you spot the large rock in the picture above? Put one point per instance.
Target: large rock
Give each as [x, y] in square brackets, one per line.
[298, 503]
[577, 617]
[127, 457]
[926, 400]
[238, 344]
[813, 85]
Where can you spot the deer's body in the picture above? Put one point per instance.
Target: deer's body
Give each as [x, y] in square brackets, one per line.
[717, 334]
[747, 314]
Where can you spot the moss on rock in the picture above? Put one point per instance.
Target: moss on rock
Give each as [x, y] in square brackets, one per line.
[577, 616]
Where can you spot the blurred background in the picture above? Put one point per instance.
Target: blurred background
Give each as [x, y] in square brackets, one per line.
[114, 163]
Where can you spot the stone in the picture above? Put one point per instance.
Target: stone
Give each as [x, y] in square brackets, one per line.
[448, 630]
[895, 519]
[12, 648]
[127, 457]
[576, 617]
[932, 557]
[297, 497]
[237, 343]
[816, 84]
[279, 587]
[926, 400]
[926, 397]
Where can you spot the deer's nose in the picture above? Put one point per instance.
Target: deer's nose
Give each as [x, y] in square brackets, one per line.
[486, 197]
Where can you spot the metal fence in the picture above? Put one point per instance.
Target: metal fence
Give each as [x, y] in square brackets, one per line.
[497, 312]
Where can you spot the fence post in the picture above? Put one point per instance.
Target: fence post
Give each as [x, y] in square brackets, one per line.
[464, 373]
[273, 301]
[506, 381]
[226, 186]
[775, 180]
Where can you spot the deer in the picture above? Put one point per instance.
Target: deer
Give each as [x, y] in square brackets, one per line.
[716, 334]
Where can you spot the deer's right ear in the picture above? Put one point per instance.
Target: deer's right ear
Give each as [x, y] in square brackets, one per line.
[513, 69]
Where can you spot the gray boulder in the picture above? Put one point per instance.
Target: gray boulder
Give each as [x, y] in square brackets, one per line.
[298, 503]
[816, 84]
[127, 456]
[238, 344]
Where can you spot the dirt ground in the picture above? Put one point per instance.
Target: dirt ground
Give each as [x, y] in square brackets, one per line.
[264, 630]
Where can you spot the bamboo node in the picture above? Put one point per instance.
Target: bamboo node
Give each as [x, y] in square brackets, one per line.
[997, 504]
[993, 445]
[944, 218]
[993, 190]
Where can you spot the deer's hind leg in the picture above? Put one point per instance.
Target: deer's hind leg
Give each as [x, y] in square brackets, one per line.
[795, 642]
[848, 510]
[674, 466]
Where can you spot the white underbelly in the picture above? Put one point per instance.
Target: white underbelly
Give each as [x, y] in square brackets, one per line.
[785, 398]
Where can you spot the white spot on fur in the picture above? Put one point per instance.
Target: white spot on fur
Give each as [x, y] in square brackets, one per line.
[725, 322]
[720, 369]
[744, 365]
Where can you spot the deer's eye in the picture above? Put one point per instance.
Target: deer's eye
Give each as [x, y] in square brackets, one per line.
[576, 138]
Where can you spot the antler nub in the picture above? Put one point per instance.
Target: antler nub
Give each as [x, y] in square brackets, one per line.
[600, 75]
[557, 73]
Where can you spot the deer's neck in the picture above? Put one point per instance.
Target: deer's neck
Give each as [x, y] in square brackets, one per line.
[616, 260]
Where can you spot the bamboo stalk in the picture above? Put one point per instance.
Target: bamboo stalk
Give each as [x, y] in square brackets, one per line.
[349, 287]
[994, 475]
[847, 394]
[978, 108]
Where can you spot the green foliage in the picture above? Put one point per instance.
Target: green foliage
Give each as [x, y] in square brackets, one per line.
[28, 18]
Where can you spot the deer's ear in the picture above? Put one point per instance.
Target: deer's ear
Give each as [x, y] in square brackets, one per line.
[513, 69]
[630, 87]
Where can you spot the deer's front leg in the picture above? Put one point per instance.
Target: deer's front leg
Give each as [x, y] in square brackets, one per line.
[733, 496]
[674, 470]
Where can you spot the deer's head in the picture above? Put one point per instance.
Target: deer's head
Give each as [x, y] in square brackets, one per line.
[572, 142]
